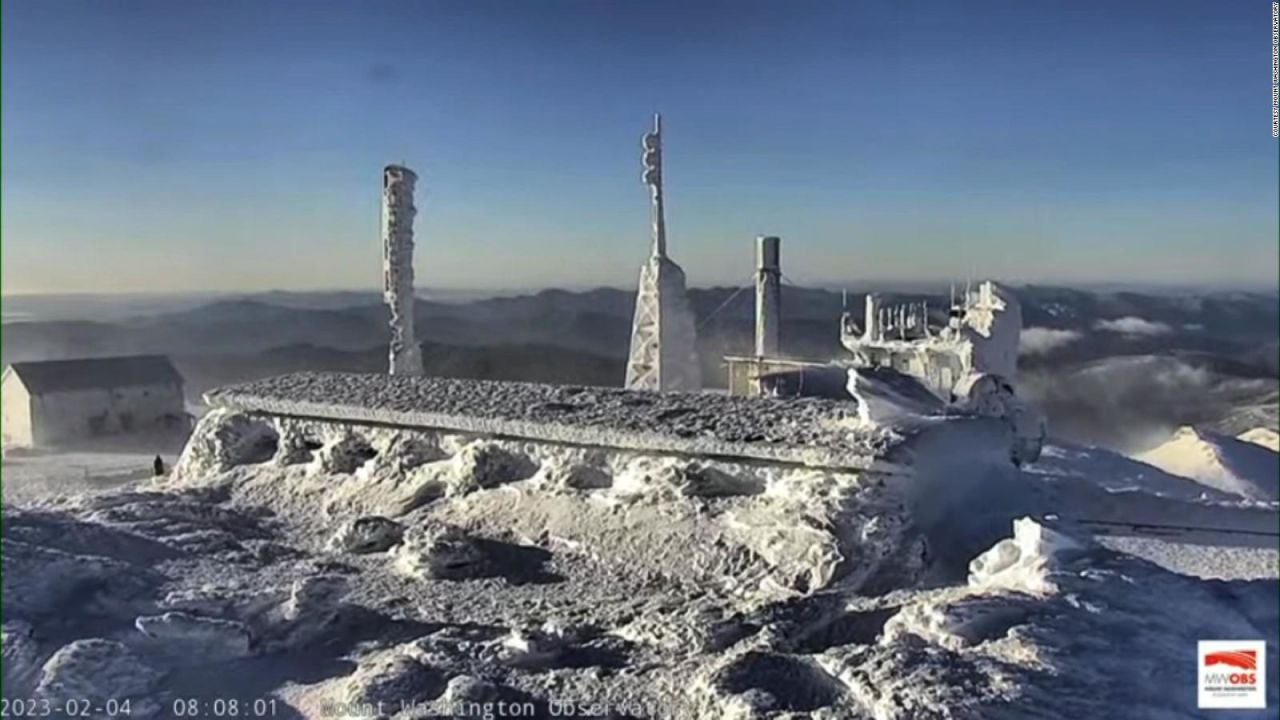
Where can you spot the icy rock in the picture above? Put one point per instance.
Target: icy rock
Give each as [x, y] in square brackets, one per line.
[441, 553]
[95, 670]
[312, 606]
[344, 456]
[753, 703]
[957, 624]
[464, 691]
[575, 476]
[534, 646]
[209, 600]
[224, 439]
[316, 596]
[703, 480]
[482, 465]
[21, 654]
[1023, 562]
[406, 452]
[210, 638]
[758, 683]
[296, 447]
[370, 534]
[40, 581]
[390, 679]
[911, 679]
[696, 631]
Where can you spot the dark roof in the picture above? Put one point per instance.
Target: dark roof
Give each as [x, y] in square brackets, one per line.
[99, 372]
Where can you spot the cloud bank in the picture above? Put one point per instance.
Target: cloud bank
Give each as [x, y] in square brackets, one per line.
[1042, 341]
[1131, 325]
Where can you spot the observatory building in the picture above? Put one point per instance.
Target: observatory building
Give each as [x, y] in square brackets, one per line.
[62, 402]
[980, 338]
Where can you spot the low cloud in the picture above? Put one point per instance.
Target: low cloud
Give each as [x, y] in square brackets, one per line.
[1133, 403]
[1041, 341]
[1131, 325]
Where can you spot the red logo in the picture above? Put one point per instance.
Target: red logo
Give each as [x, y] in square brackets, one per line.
[1243, 659]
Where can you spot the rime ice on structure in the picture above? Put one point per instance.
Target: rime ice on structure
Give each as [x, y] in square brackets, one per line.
[972, 362]
[663, 338]
[397, 267]
[981, 338]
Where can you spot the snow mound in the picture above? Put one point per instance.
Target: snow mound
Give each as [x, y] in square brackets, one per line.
[1266, 437]
[1224, 463]
[96, 672]
[1023, 562]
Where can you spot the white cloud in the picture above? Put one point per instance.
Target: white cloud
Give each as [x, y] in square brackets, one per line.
[1130, 325]
[1040, 340]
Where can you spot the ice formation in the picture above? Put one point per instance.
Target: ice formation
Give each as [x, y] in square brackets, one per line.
[971, 364]
[981, 338]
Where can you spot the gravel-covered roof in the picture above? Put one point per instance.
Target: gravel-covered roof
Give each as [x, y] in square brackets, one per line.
[807, 430]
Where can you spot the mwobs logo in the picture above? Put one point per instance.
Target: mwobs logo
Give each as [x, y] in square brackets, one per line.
[1243, 659]
[1232, 674]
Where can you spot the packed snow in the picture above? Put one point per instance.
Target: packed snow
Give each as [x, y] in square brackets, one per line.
[366, 567]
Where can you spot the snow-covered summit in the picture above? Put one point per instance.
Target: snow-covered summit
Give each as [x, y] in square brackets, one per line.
[372, 547]
[1234, 465]
[1266, 437]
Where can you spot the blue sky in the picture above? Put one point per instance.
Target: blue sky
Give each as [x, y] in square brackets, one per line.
[238, 145]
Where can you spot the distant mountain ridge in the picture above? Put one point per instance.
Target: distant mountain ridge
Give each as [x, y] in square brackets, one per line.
[1225, 344]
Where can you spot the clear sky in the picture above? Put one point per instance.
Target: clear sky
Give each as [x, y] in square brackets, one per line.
[238, 144]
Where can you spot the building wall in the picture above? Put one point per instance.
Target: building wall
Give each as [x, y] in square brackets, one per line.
[63, 417]
[939, 369]
[15, 416]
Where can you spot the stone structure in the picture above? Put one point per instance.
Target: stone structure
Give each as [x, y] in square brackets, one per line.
[663, 353]
[397, 267]
[813, 432]
[66, 402]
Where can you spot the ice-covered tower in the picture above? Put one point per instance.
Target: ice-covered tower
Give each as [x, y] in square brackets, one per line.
[663, 337]
[397, 267]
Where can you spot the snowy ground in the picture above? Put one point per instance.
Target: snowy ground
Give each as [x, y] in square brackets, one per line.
[34, 477]
[329, 567]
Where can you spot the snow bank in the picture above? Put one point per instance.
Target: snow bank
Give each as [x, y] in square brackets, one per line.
[1224, 463]
[1266, 437]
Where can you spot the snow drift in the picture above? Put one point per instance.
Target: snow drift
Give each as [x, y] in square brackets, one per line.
[1236, 466]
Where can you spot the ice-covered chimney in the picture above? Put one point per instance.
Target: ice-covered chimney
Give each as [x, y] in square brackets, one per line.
[768, 295]
[398, 211]
[871, 331]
